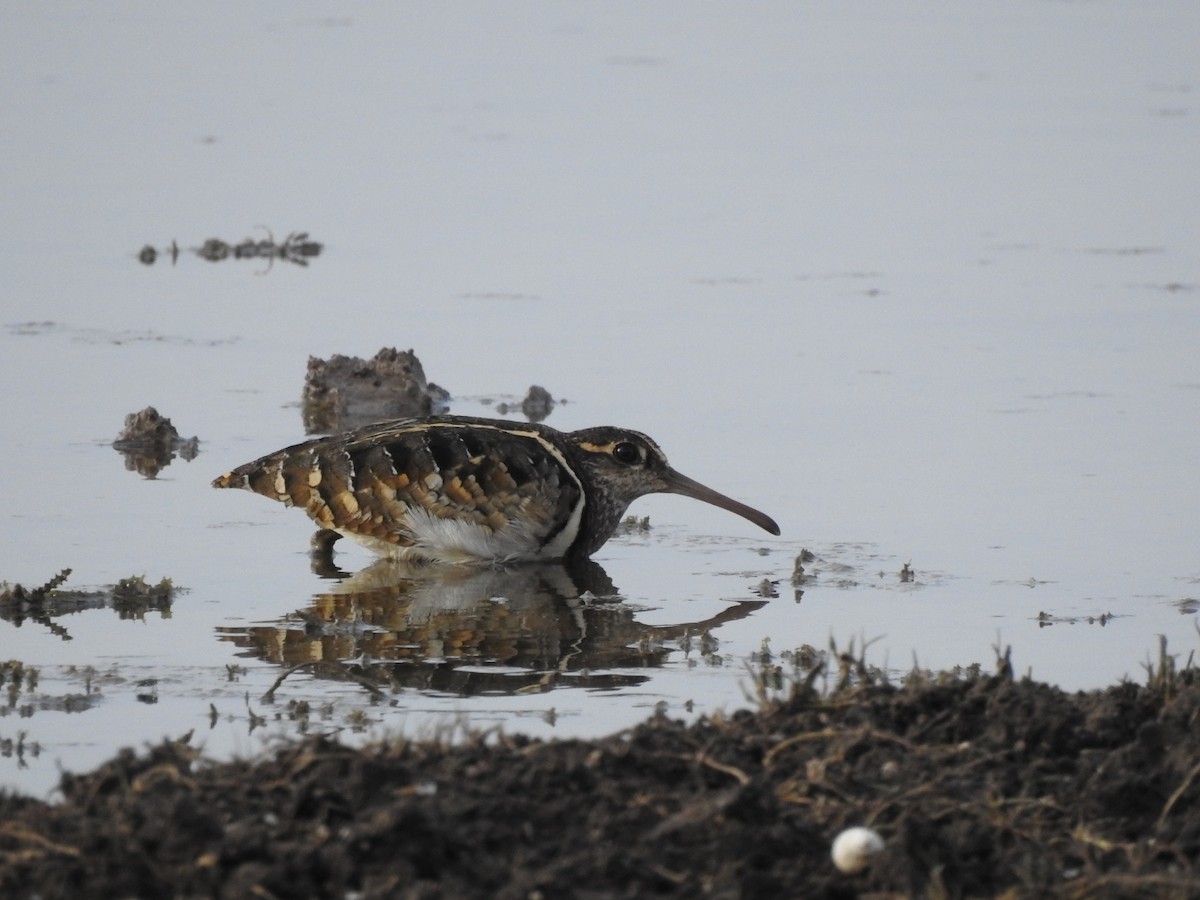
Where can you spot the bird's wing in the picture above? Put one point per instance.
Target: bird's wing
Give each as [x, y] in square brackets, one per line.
[495, 475]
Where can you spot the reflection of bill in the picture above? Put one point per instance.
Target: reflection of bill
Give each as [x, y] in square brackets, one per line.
[469, 631]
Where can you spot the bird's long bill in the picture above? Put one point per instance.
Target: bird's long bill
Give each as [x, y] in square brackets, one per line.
[681, 484]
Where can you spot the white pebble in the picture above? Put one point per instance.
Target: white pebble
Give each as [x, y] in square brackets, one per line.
[854, 849]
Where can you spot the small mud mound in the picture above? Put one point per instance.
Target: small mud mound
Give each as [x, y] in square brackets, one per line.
[983, 786]
[149, 442]
[536, 407]
[538, 404]
[346, 392]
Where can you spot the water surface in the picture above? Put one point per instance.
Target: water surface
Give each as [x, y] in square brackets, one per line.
[919, 281]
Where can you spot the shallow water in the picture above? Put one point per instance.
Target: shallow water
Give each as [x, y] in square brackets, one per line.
[919, 282]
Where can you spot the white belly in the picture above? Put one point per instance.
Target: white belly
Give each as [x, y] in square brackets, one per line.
[463, 542]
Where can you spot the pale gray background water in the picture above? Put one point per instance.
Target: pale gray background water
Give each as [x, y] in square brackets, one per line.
[918, 279]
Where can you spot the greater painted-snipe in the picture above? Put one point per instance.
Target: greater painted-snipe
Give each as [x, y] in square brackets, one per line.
[465, 490]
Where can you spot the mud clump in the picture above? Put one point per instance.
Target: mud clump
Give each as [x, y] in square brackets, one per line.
[149, 442]
[979, 786]
[537, 405]
[347, 392]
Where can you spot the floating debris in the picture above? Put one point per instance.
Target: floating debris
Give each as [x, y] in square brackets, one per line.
[767, 589]
[345, 392]
[19, 594]
[130, 598]
[537, 405]
[633, 525]
[149, 442]
[296, 248]
[800, 575]
[1045, 619]
[148, 255]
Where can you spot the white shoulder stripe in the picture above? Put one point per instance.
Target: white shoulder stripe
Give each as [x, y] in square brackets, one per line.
[566, 536]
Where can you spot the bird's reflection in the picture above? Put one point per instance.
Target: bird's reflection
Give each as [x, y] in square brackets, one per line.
[474, 631]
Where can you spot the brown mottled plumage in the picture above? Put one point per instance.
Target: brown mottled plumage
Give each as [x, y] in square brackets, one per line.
[459, 489]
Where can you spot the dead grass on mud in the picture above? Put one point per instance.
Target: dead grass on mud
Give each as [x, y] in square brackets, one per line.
[980, 785]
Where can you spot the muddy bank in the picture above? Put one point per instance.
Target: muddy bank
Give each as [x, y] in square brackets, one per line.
[980, 786]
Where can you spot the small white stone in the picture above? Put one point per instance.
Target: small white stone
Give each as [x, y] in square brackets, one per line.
[855, 848]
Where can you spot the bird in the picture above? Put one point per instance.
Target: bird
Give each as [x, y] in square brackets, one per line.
[466, 490]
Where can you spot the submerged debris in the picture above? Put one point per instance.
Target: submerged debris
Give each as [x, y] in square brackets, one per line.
[296, 248]
[149, 442]
[345, 392]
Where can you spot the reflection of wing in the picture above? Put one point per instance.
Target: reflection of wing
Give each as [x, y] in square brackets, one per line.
[466, 630]
[421, 624]
[427, 483]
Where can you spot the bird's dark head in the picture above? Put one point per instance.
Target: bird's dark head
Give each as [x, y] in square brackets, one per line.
[621, 465]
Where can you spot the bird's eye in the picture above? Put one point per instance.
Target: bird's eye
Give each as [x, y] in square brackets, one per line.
[626, 453]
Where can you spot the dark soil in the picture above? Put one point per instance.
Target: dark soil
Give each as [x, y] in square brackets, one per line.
[981, 786]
